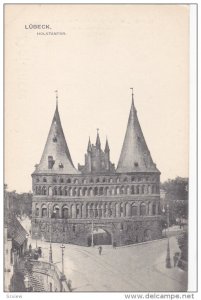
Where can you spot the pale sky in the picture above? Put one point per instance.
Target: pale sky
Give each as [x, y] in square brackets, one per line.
[106, 50]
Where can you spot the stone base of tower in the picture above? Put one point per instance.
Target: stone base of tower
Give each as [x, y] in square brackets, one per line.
[115, 232]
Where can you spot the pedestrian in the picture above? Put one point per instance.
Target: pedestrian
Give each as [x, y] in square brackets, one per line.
[36, 255]
[114, 245]
[39, 251]
[30, 248]
[100, 250]
[69, 284]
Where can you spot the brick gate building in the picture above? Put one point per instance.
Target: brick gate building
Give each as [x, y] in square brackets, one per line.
[122, 204]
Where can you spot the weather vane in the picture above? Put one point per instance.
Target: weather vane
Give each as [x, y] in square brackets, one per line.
[132, 94]
[56, 92]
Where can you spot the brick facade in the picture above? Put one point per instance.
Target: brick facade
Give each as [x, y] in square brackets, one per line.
[125, 205]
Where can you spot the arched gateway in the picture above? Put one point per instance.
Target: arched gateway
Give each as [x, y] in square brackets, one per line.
[99, 236]
[122, 203]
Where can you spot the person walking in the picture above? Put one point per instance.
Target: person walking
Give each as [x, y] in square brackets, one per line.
[100, 250]
[39, 251]
[69, 284]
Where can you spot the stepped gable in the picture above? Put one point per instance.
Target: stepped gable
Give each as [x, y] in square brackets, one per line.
[56, 156]
[135, 155]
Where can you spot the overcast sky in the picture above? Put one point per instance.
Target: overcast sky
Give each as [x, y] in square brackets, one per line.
[106, 50]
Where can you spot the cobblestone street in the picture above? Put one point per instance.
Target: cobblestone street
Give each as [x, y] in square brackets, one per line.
[130, 268]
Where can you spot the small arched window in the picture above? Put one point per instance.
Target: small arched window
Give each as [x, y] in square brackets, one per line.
[37, 211]
[65, 212]
[142, 209]
[134, 210]
[55, 191]
[44, 190]
[96, 191]
[44, 211]
[101, 190]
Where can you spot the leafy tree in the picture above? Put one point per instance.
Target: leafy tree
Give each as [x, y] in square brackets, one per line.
[183, 245]
[176, 195]
[176, 189]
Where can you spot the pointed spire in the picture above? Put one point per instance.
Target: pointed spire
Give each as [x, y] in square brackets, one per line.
[56, 156]
[135, 155]
[98, 143]
[107, 149]
[89, 146]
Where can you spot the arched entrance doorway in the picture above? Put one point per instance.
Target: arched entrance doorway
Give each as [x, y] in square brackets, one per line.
[100, 237]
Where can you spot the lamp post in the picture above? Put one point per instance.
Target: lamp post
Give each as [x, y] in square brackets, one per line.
[27, 238]
[168, 261]
[120, 236]
[163, 210]
[36, 235]
[52, 215]
[62, 256]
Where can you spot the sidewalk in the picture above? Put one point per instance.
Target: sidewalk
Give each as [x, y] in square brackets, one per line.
[175, 273]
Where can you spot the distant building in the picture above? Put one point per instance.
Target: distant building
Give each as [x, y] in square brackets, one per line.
[15, 243]
[122, 204]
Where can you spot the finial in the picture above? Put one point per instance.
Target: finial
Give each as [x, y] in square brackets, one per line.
[132, 95]
[97, 130]
[56, 92]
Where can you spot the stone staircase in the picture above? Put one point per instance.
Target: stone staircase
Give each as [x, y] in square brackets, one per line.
[35, 282]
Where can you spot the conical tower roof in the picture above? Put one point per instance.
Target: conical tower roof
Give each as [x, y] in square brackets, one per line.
[135, 155]
[56, 149]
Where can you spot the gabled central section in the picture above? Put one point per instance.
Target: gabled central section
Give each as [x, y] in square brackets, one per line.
[97, 160]
[56, 156]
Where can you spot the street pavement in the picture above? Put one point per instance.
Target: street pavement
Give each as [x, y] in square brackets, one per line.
[134, 268]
